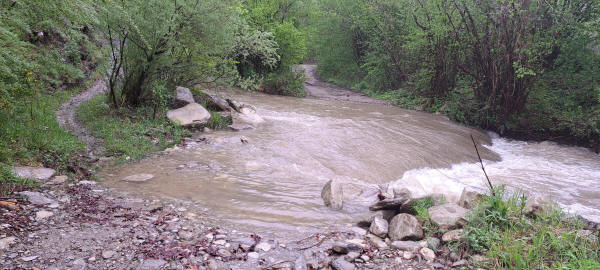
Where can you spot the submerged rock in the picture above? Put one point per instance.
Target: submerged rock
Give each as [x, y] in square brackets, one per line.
[143, 177]
[183, 96]
[332, 195]
[448, 214]
[405, 227]
[191, 114]
[33, 172]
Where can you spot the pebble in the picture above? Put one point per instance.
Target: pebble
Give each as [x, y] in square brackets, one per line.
[43, 214]
[107, 254]
[340, 247]
[351, 256]
[341, 264]
[408, 255]
[253, 255]
[365, 258]
[223, 253]
[185, 235]
[427, 254]
[5, 243]
[151, 264]
[28, 258]
[220, 242]
[263, 246]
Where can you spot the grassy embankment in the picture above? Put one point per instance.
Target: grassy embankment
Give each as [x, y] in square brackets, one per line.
[504, 237]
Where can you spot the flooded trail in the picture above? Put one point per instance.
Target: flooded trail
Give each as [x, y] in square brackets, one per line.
[273, 183]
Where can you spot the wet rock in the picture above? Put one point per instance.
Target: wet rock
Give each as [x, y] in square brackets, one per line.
[406, 245]
[263, 246]
[107, 254]
[377, 242]
[332, 195]
[191, 114]
[448, 214]
[37, 198]
[379, 227]
[183, 96]
[216, 265]
[300, 263]
[33, 172]
[536, 206]
[39, 215]
[427, 254]
[405, 227]
[143, 177]
[6, 242]
[390, 204]
[341, 264]
[244, 140]
[223, 253]
[469, 197]
[453, 235]
[240, 127]
[151, 264]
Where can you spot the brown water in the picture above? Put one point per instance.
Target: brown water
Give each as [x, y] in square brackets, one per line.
[274, 182]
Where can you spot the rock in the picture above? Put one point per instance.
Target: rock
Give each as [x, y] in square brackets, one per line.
[376, 241]
[253, 255]
[351, 256]
[79, 264]
[240, 127]
[61, 179]
[244, 140]
[223, 253]
[469, 197]
[6, 242]
[408, 255]
[405, 227]
[107, 254]
[447, 214]
[406, 245]
[37, 198]
[39, 215]
[219, 102]
[379, 227]
[185, 235]
[33, 172]
[356, 243]
[143, 177]
[437, 265]
[459, 263]
[151, 265]
[183, 96]
[427, 254]
[359, 231]
[332, 195]
[453, 235]
[431, 242]
[587, 235]
[28, 258]
[390, 204]
[220, 242]
[300, 263]
[536, 206]
[263, 246]
[341, 264]
[340, 247]
[191, 114]
[216, 265]
[385, 214]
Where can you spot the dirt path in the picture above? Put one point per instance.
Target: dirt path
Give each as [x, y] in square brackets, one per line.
[67, 120]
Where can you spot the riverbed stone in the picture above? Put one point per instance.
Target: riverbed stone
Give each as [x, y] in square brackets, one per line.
[469, 197]
[37, 198]
[376, 241]
[427, 254]
[33, 172]
[453, 235]
[406, 245]
[332, 195]
[151, 265]
[6, 242]
[142, 177]
[183, 96]
[379, 226]
[405, 227]
[263, 246]
[39, 215]
[390, 204]
[107, 254]
[342, 264]
[191, 114]
[448, 214]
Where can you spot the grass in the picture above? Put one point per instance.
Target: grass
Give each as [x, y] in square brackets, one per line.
[217, 121]
[500, 231]
[129, 134]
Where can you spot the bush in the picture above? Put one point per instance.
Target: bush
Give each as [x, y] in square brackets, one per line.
[287, 83]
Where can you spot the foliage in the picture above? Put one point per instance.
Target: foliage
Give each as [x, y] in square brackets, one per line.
[523, 68]
[217, 121]
[127, 132]
[285, 82]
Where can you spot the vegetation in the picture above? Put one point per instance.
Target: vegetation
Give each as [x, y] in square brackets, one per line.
[508, 238]
[521, 68]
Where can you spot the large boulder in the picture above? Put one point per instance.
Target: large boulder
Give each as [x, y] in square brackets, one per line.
[405, 227]
[469, 197]
[183, 96]
[33, 172]
[191, 114]
[448, 214]
[333, 195]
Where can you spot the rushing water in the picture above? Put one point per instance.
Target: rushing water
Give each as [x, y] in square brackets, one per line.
[274, 182]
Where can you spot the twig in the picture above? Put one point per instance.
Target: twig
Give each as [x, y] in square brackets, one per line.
[482, 167]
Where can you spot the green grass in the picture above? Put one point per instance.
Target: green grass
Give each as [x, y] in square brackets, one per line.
[217, 121]
[128, 132]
